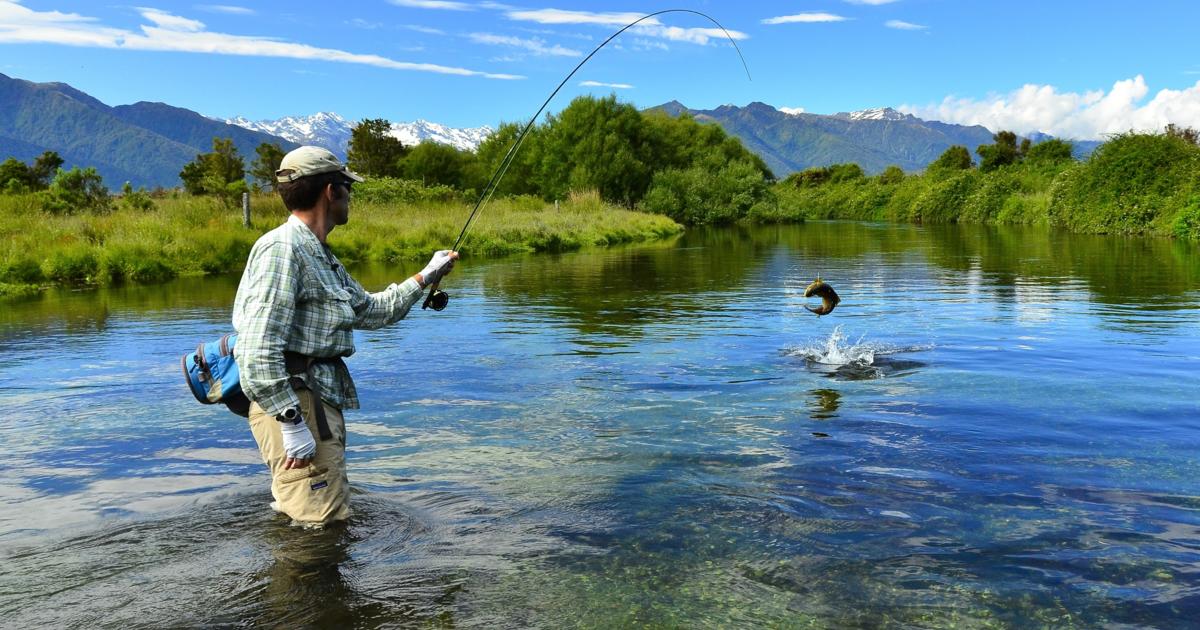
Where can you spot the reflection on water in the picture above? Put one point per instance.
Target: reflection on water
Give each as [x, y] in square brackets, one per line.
[996, 428]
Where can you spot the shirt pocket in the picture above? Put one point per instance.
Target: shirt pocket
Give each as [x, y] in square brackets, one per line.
[341, 307]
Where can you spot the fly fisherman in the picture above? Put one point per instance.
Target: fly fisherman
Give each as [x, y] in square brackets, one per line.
[295, 312]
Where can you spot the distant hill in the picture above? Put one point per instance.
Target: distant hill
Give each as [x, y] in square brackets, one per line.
[329, 130]
[146, 144]
[874, 138]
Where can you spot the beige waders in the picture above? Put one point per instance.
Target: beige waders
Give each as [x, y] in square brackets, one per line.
[319, 492]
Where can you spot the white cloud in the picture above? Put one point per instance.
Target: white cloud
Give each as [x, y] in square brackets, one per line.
[433, 4]
[168, 32]
[616, 86]
[804, 18]
[1088, 115]
[650, 27]
[424, 29]
[792, 111]
[225, 8]
[904, 26]
[535, 46]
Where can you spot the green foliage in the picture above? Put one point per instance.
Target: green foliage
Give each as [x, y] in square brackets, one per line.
[891, 175]
[834, 174]
[387, 190]
[1133, 183]
[944, 200]
[438, 164]
[708, 194]
[373, 151]
[268, 156]
[18, 178]
[1187, 223]
[136, 200]
[1002, 153]
[220, 173]
[76, 190]
[1053, 151]
[611, 148]
[956, 158]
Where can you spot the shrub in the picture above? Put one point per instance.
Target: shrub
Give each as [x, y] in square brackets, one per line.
[77, 190]
[703, 194]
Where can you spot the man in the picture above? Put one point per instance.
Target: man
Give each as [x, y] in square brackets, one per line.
[295, 312]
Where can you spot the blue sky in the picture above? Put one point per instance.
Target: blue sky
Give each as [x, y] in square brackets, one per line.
[1073, 68]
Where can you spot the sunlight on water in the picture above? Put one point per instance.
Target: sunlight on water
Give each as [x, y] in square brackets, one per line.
[857, 359]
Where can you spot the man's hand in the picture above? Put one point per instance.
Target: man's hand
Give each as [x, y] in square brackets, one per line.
[298, 444]
[440, 265]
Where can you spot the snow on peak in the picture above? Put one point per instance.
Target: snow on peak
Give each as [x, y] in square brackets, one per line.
[329, 130]
[875, 113]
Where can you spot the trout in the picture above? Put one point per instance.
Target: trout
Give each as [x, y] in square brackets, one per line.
[829, 297]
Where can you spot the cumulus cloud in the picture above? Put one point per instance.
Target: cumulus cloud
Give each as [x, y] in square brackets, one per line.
[904, 26]
[615, 86]
[169, 32]
[805, 18]
[536, 46]
[651, 27]
[792, 111]
[1087, 115]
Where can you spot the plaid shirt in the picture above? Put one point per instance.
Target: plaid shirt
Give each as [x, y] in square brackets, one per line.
[295, 295]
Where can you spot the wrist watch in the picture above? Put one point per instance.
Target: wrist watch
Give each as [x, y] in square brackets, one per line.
[290, 416]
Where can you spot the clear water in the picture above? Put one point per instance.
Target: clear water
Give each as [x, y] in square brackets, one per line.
[996, 428]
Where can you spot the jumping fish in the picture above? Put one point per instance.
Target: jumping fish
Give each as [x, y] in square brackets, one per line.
[829, 297]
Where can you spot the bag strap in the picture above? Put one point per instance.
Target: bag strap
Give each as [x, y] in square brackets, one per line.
[297, 364]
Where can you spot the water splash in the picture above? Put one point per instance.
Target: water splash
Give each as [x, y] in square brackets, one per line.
[859, 359]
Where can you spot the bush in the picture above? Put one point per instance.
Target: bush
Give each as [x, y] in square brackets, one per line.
[390, 190]
[76, 190]
[702, 194]
[1134, 183]
[1187, 222]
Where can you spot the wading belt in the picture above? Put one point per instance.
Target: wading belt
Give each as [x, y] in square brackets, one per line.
[297, 364]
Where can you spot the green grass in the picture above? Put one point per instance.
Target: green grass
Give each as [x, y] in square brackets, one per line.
[183, 235]
[1145, 184]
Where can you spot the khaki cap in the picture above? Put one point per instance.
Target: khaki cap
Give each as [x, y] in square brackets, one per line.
[310, 160]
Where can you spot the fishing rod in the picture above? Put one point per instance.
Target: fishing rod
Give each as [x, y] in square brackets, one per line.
[438, 299]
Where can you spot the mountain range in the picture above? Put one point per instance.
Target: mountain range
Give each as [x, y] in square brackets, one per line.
[148, 144]
[329, 130]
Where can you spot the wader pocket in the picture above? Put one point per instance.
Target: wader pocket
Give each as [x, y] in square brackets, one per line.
[297, 474]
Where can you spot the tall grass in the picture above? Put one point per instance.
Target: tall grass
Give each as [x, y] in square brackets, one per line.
[182, 235]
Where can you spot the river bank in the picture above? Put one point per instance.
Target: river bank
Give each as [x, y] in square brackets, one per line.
[181, 235]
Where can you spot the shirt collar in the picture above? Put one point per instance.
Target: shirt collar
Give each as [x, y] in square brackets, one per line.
[307, 238]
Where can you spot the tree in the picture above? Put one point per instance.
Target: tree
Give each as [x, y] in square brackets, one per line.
[436, 163]
[373, 150]
[77, 190]
[956, 158]
[15, 177]
[1003, 153]
[220, 173]
[44, 168]
[1052, 151]
[891, 175]
[269, 156]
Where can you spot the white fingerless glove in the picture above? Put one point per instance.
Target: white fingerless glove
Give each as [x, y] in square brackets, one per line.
[298, 442]
[438, 266]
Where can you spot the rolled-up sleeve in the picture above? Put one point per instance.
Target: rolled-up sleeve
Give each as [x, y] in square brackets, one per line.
[376, 310]
[264, 311]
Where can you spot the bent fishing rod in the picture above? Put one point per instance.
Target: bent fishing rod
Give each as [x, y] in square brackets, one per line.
[438, 299]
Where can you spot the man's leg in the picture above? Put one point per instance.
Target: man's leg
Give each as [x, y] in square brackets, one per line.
[319, 492]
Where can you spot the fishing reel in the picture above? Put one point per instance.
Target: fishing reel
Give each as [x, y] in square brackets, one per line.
[436, 300]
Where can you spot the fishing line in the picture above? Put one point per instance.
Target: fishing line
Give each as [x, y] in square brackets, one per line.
[438, 299]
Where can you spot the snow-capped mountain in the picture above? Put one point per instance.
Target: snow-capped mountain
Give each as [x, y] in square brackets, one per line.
[875, 113]
[329, 130]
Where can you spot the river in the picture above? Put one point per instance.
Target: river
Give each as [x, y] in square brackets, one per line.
[996, 428]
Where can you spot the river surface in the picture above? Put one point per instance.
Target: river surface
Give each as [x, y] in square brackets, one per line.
[996, 428]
